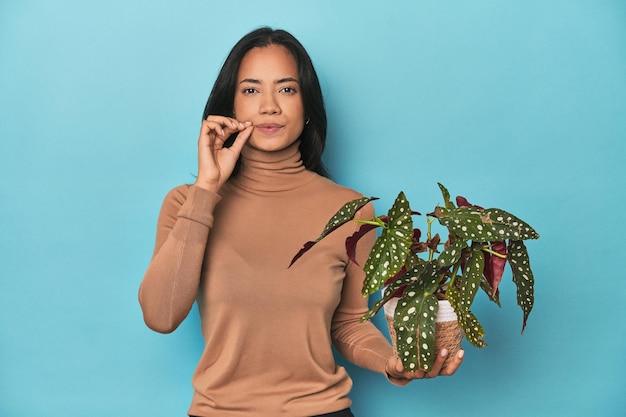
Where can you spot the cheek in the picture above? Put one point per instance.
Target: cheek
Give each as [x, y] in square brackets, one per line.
[238, 108]
[299, 128]
[298, 111]
[245, 107]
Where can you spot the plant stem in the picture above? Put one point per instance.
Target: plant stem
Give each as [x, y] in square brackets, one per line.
[453, 274]
[429, 222]
[499, 255]
[376, 222]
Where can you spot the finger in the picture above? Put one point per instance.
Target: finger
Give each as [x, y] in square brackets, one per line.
[454, 363]
[394, 367]
[222, 120]
[205, 139]
[214, 129]
[242, 138]
[401, 373]
[223, 132]
[218, 143]
[438, 364]
[399, 366]
[226, 122]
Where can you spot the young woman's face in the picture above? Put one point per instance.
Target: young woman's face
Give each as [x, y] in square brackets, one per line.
[268, 95]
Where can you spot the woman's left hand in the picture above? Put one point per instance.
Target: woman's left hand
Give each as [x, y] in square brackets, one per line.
[397, 374]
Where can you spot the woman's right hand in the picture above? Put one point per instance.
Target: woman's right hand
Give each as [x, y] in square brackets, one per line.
[215, 162]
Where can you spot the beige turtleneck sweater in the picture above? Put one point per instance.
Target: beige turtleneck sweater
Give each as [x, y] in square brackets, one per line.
[267, 328]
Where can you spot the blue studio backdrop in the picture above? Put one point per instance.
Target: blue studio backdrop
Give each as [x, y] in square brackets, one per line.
[514, 104]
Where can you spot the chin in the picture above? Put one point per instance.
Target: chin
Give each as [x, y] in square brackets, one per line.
[270, 145]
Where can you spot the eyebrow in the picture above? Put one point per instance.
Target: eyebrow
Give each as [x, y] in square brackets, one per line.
[280, 81]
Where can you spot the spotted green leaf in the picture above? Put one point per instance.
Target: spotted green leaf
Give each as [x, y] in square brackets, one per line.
[391, 248]
[462, 293]
[414, 323]
[471, 223]
[506, 224]
[452, 253]
[474, 332]
[467, 224]
[406, 279]
[522, 277]
[413, 260]
[469, 283]
[342, 216]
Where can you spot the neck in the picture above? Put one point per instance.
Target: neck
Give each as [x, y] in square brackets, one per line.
[272, 171]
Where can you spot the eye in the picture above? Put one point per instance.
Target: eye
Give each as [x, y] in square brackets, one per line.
[249, 90]
[288, 90]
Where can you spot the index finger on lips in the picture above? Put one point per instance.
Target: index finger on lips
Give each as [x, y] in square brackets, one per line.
[224, 130]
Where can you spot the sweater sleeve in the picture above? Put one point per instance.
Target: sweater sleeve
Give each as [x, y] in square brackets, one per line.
[169, 286]
[361, 343]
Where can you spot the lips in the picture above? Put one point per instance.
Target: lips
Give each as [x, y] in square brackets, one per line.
[268, 128]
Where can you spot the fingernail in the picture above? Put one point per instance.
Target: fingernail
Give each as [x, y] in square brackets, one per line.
[460, 354]
[443, 353]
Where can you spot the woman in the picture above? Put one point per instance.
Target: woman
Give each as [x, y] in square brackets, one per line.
[226, 242]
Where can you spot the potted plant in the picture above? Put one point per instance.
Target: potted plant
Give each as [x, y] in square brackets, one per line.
[422, 277]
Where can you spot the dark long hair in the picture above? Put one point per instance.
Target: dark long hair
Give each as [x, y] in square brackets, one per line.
[222, 98]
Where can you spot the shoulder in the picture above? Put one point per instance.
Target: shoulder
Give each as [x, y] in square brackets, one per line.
[338, 190]
[338, 195]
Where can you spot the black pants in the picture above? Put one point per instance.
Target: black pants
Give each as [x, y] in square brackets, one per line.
[342, 413]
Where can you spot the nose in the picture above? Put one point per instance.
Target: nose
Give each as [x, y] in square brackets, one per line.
[269, 105]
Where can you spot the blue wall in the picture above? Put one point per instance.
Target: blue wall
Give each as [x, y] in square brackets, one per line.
[518, 104]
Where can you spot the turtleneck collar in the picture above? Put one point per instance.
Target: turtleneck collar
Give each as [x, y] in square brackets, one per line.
[272, 171]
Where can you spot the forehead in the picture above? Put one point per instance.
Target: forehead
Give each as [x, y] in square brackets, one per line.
[273, 62]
